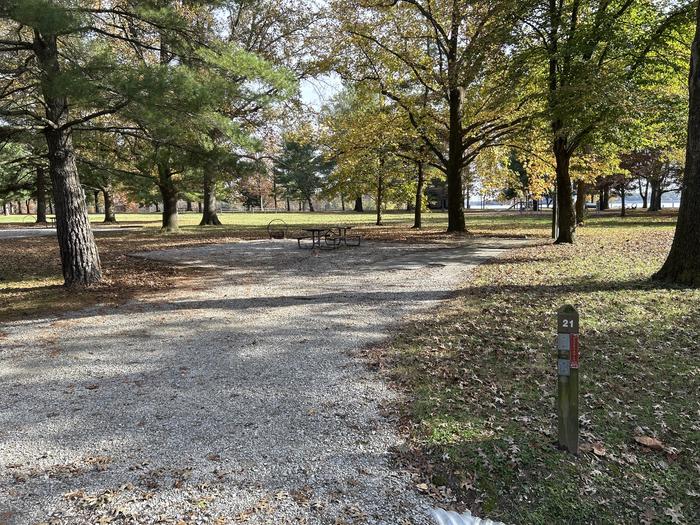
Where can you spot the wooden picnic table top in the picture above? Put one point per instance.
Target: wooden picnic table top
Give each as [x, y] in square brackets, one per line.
[326, 228]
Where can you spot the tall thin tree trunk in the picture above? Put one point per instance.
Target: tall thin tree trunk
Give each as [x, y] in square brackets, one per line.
[554, 215]
[311, 204]
[683, 263]
[418, 209]
[623, 195]
[40, 195]
[565, 208]
[289, 205]
[189, 205]
[4, 208]
[19, 207]
[96, 197]
[168, 192]
[342, 202]
[455, 196]
[199, 207]
[80, 260]
[209, 215]
[274, 191]
[580, 201]
[110, 217]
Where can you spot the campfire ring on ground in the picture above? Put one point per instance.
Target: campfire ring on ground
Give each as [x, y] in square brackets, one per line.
[277, 229]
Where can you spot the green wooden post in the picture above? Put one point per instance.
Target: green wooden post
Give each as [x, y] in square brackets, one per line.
[567, 384]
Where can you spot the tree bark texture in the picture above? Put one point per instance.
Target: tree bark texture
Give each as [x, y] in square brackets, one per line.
[168, 192]
[683, 263]
[418, 209]
[455, 199]
[209, 215]
[565, 208]
[358, 205]
[80, 260]
[40, 195]
[110, 217]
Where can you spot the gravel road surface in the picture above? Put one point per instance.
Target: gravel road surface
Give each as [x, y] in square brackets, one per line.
[238, 401]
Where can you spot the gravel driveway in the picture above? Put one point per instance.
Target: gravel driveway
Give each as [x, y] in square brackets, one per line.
[238, 401]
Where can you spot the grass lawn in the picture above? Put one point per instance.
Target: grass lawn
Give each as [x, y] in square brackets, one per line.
[480, 379]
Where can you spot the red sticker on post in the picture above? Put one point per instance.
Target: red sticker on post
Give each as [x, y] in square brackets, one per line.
[573, 349]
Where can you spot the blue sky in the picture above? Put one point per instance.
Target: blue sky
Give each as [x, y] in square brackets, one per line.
[318, 91]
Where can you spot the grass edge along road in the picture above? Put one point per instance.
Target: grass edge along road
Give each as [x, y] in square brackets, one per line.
[481, 380]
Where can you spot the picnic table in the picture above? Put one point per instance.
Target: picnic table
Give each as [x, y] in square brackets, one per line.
[332, 236]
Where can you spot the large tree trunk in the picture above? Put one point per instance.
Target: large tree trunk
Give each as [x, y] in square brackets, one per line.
[418, 209]
[644, 194]
[40, 195]
[659, 195]
[358, 205]
[189, 205]
[79, 257]
[580, 201]
[169, 193]
[455, 197]
[605, 198]
[655, 197]
[311, 204]
[209, 215]
[683, 263]
[110, 217]
[565, 207]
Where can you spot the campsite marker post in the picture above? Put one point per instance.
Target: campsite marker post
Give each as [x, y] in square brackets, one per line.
[567, 383]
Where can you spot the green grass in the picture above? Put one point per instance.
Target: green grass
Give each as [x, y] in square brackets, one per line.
[258, 219]
[481, 380]
[477, 221]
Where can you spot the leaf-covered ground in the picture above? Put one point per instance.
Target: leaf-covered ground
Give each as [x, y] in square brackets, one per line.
[30, 273]
[481, 382]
